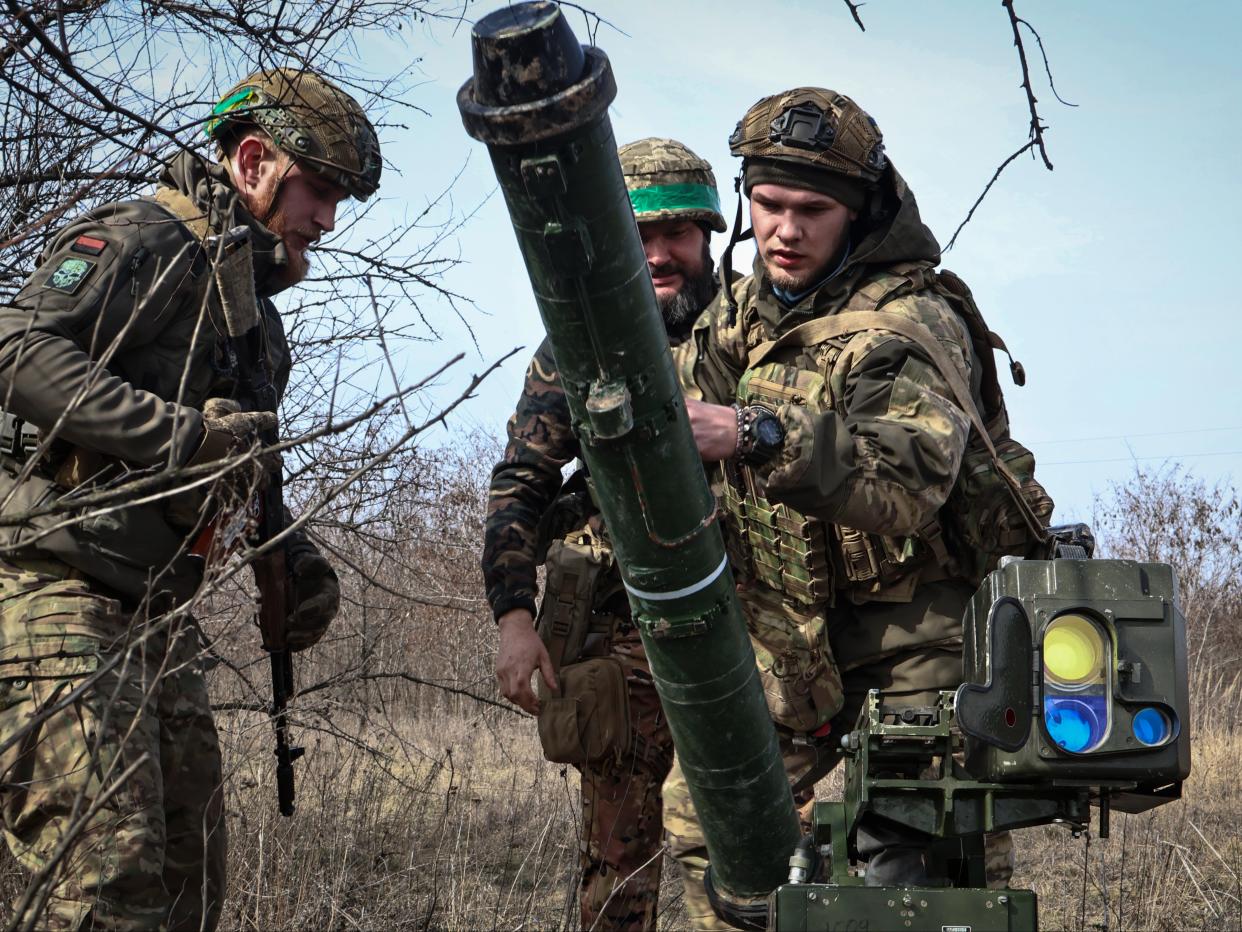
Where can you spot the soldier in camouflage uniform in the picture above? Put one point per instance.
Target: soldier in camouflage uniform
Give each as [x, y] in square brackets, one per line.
[114, 365]
[842, 433]
[586, 642]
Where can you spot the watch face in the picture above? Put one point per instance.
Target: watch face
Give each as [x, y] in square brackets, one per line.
[768, 431]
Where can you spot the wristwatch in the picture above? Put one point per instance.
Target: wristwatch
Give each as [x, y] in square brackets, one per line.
[760, 435]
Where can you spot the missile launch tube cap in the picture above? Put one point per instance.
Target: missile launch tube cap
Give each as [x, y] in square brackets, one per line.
[532, 81]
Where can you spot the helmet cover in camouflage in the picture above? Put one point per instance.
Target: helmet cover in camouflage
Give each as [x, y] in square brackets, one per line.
[310, 119]
[667, 181]
[812, 127]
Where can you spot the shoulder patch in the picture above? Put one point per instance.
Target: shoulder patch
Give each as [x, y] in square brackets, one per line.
[70, 274]
[91, 245]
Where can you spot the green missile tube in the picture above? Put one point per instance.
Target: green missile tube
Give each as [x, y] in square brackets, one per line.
[539, 100]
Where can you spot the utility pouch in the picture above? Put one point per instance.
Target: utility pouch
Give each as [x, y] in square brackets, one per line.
[574, 566]
[590, 717]
[796, 668]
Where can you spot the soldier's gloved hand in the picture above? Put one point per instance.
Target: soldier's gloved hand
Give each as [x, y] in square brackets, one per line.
[228, 430]
[317, 598]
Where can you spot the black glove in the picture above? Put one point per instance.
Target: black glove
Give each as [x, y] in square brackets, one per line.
[317, 598]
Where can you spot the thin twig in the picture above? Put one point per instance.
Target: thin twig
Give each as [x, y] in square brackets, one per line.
[987, 188]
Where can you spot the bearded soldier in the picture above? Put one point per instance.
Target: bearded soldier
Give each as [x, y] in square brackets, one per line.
[845, 386]
[586, 649]
[114, 363]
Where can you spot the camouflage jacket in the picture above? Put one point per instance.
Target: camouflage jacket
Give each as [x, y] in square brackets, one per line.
[525, 484]
[112, 346]
[883, 453]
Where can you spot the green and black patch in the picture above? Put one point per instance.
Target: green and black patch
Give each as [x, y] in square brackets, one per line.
[70, 274]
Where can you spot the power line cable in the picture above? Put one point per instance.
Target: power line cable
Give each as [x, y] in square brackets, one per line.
[1161, 433]
[1140, 459]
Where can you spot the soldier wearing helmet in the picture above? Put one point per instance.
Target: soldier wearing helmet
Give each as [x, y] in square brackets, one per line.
[114, 364]
[586, 650]
[823, 383]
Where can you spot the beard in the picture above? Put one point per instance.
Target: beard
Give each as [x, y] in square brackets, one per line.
[297, 260]
[698, 288]
[269, 208]
[792, 284]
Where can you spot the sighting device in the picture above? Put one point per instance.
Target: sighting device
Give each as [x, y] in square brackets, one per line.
[1075, 697]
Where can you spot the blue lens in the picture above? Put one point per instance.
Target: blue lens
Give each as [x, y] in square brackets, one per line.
[1075, 724]
[1152, 727]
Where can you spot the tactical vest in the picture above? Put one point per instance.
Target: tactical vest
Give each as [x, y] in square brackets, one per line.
[996, 506]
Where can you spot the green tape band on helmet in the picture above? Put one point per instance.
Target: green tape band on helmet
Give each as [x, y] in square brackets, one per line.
[226, 106]
[675, 197]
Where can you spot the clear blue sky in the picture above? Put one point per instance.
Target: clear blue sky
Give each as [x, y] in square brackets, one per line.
[1112, 278]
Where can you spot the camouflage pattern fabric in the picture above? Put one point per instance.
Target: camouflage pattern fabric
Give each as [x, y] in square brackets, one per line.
[685, 838]
[813, 127]
[875, 441]
[109, 754]
[524, 484]
[666, 181]
[622, 809]
[892, 437]
[799, 675]
[621, 847]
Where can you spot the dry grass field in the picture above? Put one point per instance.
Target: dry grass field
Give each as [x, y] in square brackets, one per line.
[479, 832]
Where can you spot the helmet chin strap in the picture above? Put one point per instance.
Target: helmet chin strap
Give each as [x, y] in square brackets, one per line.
[736, 235]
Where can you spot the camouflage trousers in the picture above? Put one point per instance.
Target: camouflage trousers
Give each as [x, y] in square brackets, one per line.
[109, 761]
[684, 834]
[622, 809]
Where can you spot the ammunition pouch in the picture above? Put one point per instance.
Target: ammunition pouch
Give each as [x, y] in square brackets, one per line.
[801, 683]
[778, 546]
[803, 558]
[588, 719]
[568, 621]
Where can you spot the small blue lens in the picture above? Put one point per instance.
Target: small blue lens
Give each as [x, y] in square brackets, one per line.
[1152, 727]
[1075, 724]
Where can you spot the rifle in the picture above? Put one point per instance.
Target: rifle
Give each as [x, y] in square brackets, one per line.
[235, 282]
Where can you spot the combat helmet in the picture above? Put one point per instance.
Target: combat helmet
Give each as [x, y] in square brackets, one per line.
[310, 119]
[666, 181]
[811, 137]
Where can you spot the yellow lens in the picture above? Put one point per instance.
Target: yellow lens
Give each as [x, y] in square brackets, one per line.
[1073, 651]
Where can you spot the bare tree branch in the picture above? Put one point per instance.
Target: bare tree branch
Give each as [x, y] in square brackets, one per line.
[854, 7]
[1037, 126]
